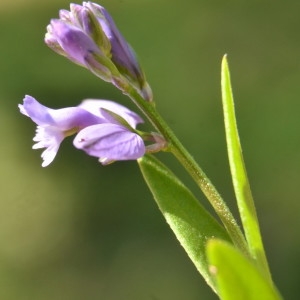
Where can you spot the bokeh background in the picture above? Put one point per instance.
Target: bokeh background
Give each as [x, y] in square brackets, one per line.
[78, 230]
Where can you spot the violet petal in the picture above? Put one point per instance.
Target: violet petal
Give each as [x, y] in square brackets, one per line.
[94, 106]
[110, 142]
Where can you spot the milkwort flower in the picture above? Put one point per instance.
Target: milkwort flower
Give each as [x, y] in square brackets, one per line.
[88, 36]
[104, 129]
[114, 140]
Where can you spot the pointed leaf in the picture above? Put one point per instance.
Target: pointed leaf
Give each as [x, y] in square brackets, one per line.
[190, 222]
[236, 276]
[239, 175]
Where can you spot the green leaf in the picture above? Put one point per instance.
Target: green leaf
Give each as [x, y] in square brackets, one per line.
[190, 222]
[236, 276]
[239, 175]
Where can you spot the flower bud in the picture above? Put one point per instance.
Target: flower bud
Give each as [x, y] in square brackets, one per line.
[71, 41]
[88, 36]
[123, 55]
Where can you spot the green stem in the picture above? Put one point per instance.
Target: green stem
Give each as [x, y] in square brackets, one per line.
[188, 162]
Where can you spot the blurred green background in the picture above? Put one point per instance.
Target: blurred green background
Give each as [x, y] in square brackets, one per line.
[78, 230]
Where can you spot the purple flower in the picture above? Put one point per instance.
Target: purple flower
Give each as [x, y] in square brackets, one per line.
[69, 39]
[110, 142]
[115, 140]
[97, 122]
[54, 125]
[123, 55]
[88, 36]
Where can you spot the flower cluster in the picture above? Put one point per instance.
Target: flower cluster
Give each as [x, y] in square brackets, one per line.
[104, 129]
[88, 36]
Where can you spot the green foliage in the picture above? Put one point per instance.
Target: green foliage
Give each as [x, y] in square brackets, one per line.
[236, 276]
[191, 223]
[239, 175]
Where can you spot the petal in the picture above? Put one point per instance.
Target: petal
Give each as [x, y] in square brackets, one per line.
[63, 119]
[110, 142]
[94, 106]
[49, 138]
[37, 112]
[55, 124]
[76, 44]
[48, 156]
[46, 137]
[81, 18]
[122, 54]
[66, 15]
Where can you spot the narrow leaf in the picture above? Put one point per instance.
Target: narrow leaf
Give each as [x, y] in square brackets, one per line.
[190, 222]
[236, 276]
[239, 175]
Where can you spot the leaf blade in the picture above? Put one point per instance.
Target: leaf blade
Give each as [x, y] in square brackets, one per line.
[238, 277]
[190, 222]
[239, 176]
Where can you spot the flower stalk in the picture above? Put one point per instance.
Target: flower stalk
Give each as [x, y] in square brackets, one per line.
[88, 36]
[183, 156]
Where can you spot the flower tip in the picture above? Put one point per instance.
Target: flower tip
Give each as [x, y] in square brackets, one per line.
[22, 109]
[45, 164]
[105, 161]
[49, 154]
[146, 92]
[27, 100]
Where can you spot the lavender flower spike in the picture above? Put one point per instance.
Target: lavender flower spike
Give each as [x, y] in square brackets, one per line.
[88, 36]
[55, 124]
